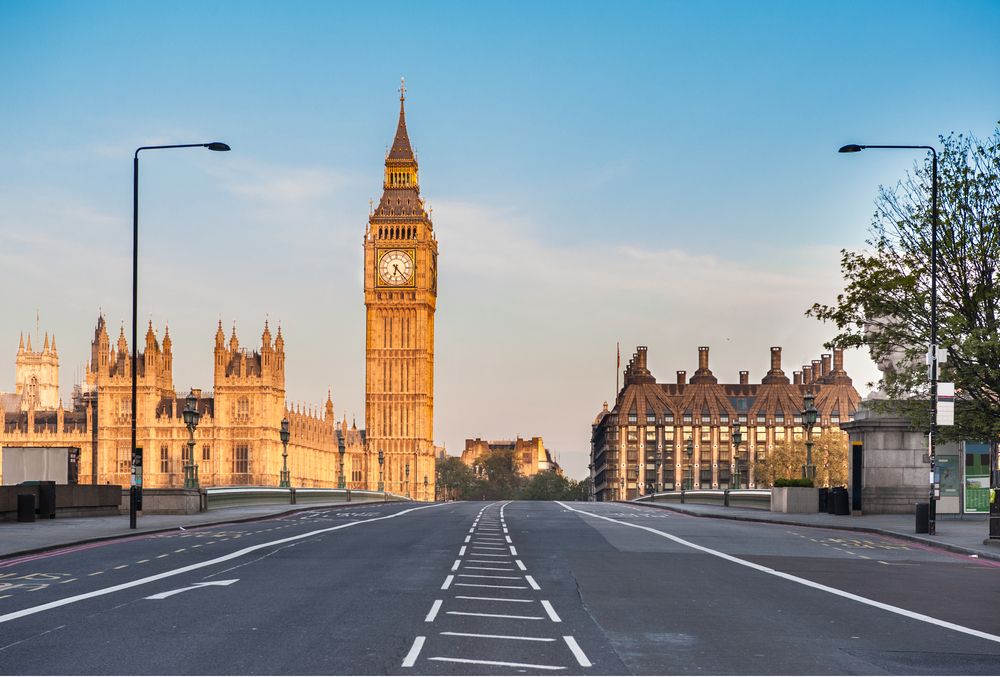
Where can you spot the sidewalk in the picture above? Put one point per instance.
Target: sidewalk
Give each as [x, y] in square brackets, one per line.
[22, 538]
[964, 534]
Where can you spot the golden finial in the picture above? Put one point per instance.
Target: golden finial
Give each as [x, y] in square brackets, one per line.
[371, 206]
[402, 89]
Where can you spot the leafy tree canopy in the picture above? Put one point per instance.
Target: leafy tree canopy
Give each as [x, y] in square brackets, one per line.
[886, 302]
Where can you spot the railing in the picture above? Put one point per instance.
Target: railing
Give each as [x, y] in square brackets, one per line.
[759, 499]
[227, 497]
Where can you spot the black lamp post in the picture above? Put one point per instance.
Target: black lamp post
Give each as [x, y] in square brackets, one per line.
[136, 483]
[736, 434]
[341, 480]
[407, 469]
[932, 353]
[381, 462]
[688, 453]
[425, 487]
[656, 473]
[286, 480]
[809, 415]
[191, 418]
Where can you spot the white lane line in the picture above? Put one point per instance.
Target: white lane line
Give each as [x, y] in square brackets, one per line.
[531, 582]
[96, 573]
[467, 567]
[483, 585]
[121, 567]
[505, 530]
[513, 551]
[411, 657]
[520, 565]
[447, 582]
[509, 578]
[476, 613]
[198, 565]
[467, 539]
[486, 547]
[488, 539]
[581, 657]
[489, 554]
[432, 614]
[495, 599]
[461, 553]
[473, 634]
[551, 612]
[504, 664]
[472, 530]
[801, 581]
[488, 561]
[508, 539]
[458, 563]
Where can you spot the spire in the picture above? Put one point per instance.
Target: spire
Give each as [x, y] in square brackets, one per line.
[234, 342]
[150, 336]
[20, 344]
[166, 338]
[279, 340]
[265, 338]
[53, 348]
[220, 336]
[45, 348]
[401, 149]
[122, 343]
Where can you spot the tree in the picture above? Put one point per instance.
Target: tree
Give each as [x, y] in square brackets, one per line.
[499, 476]
[549, 485]
[829, 455]
[886, 302]
[454, 478]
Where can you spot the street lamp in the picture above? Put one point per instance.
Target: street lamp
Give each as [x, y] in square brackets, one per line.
[341, 480]
[737, 437]
[286, 480]
[656, 473]
[425, 487]
[809, 414]
[191, 417]
[136, 482]
[407, 479]
[688, 453]
[381, 462]
[932, 353]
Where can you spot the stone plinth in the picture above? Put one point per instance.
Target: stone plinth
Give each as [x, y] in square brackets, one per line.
[894, 475]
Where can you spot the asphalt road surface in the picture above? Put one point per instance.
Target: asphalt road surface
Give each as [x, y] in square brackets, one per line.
[500, 588]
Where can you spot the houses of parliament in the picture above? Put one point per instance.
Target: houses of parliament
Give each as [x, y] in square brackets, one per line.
[237, 439]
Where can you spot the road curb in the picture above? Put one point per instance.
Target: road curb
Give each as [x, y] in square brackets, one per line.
[869, 530]
[179, 527]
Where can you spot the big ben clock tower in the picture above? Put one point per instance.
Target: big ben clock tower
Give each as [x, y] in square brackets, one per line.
[400, 299]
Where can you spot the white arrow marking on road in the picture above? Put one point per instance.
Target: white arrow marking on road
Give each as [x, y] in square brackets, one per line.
[168, 593]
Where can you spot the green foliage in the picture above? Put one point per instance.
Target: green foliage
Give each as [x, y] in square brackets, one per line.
[497, 477]
[793, 482]
[549, 485]
[454, 478]
[886, 302]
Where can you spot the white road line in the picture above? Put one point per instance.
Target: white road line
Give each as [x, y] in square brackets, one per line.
[483, 585]
[801, 581]
[531, 582]
[495, 599]
[525, 639]
[581, 657]
[96, 573]
[508, 539]
[447, 582]
[509, 578]
[194, 567]
[489, 554]
[476, 613]
[461, 553]
[458, 563]
[411, 657]
[472, 530]
[488, 561]
[432, 614]
[500, 663]
[122, 566]
[505, 530]
[467, 539]
[520, 565]
[489, 568]
[486, 547]
[551, 612]
[513, 551]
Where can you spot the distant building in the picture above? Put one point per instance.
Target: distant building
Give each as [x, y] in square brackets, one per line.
[36, 378]
[687, 426]
[236, 441]
[531, 455]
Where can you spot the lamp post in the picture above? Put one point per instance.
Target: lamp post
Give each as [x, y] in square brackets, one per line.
[932, 353]
[286, 480]
[809, 415]
[737, 436]
[407, 479]
[656, 473]
[341, 480]
[688, 453]
[136, 482]
[191, 417]
[425, 487]
[381, 462]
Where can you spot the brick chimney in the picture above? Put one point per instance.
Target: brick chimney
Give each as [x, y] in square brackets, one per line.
[838, 359]
[817, 371]
[703, 357]
[681, 378]
[640, 355]
[826, 364]
[775, 358]
[797, 378]
[775, 375]
[807, 374]
[744, 378]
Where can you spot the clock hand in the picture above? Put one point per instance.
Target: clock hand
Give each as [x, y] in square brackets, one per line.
[396, 268]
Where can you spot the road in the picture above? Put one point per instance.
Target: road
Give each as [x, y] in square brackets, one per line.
[499, 588]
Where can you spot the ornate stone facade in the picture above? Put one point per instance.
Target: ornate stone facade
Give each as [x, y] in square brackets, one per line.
[400, 251]
[643, 441]
[236, 441]
[531, 455]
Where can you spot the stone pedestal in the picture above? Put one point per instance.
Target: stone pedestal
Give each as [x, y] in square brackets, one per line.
[893, 473]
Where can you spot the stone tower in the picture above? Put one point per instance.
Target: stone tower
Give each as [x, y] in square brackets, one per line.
[400, 299]
[37, 376]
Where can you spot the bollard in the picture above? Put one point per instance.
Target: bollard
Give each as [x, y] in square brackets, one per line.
[923, 513]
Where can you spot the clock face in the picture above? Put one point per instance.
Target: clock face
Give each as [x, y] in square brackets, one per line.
[395, 267]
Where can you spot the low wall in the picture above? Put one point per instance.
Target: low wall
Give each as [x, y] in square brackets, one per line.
[166, 501]
[72, 500]
[759, 499]
[794, 499]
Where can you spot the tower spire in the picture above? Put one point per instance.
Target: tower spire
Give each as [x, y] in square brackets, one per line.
[401, 149]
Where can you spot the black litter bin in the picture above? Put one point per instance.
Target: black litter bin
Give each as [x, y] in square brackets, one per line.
[25, 507]
[824, 494]
[841, 501]
[923, 512]
[46, 500]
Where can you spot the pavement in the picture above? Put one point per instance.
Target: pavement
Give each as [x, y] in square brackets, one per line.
[22, 538]
[957, 533]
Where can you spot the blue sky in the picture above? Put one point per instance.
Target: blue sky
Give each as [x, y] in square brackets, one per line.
[656, 173]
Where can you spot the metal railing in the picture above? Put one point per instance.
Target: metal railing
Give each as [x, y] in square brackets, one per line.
[731, 498]
[227, 497]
